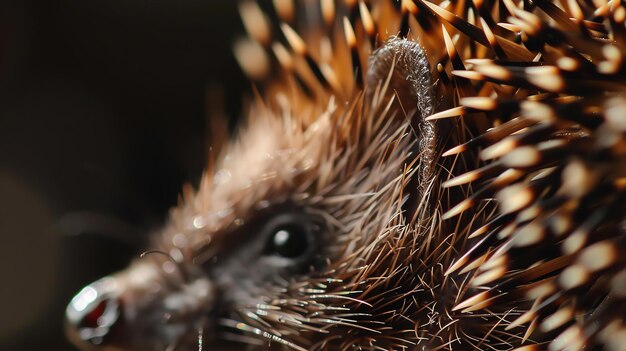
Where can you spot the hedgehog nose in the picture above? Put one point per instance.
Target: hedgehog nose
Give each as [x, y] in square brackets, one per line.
[93, 313]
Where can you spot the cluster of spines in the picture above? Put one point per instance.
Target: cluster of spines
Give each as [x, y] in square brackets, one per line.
[554, 164]
[314, 68]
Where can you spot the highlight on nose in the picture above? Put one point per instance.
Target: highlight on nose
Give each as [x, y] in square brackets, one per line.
[93, 312]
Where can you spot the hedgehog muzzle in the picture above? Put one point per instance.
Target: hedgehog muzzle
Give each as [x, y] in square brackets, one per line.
[94, 313]
[140, 309]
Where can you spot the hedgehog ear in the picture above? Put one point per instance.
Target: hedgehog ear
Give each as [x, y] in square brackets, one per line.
[401, 66]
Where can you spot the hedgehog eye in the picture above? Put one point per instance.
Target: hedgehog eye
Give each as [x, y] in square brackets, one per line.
[289, 241]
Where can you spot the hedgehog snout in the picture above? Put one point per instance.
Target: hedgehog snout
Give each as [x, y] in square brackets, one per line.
[94, 312]
[140, 309]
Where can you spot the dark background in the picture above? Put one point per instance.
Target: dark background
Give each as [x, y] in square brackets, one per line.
[103, 117]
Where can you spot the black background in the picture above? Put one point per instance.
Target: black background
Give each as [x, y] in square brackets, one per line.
[103, 117]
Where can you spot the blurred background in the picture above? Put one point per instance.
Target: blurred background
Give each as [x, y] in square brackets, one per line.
[103, 117]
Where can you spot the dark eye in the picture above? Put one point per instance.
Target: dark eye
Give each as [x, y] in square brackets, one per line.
[289, 241]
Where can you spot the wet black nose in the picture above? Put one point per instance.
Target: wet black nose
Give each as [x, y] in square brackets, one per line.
[93, 313]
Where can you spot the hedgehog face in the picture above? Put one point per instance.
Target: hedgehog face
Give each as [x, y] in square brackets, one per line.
[274, 241]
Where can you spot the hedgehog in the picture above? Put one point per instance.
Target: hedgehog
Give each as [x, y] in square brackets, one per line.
[409, 175]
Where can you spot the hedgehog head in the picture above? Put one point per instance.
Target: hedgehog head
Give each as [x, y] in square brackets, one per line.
[298, 232]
